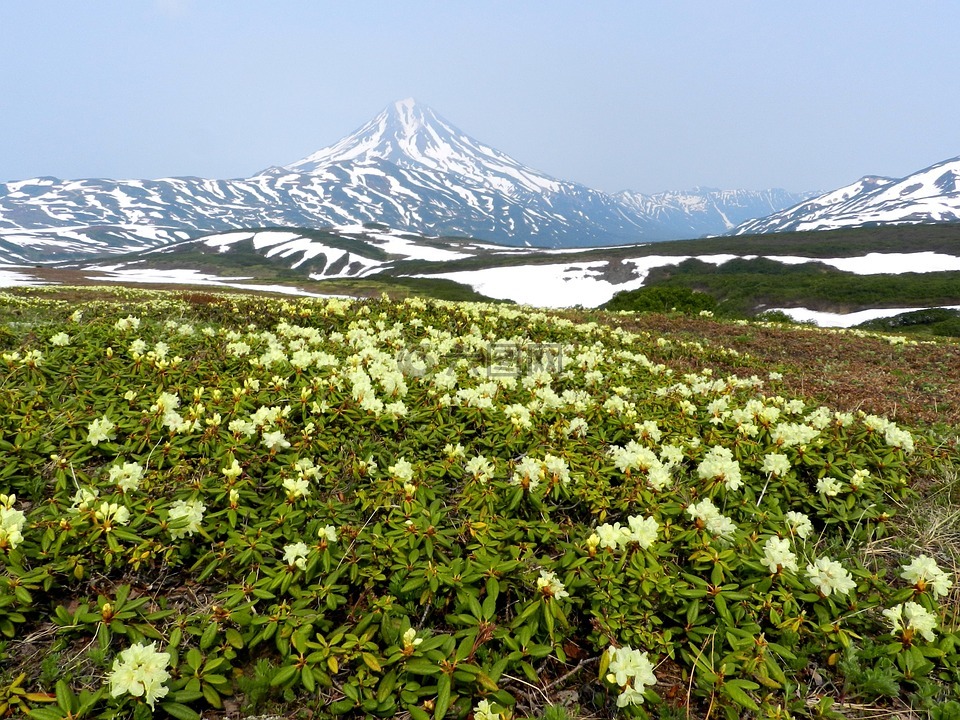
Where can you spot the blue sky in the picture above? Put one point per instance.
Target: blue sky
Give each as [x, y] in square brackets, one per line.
[615, 94]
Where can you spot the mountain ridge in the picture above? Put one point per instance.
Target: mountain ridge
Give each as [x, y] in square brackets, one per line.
[929, 195]
[407, 168]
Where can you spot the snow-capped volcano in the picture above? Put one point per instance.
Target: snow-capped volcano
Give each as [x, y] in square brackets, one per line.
[412, 136]
[931, 195]
[408, 169]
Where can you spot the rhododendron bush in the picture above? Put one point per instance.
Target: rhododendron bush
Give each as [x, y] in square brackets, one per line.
[379, 508]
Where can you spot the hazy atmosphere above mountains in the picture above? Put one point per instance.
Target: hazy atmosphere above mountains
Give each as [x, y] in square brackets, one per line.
[613, 96]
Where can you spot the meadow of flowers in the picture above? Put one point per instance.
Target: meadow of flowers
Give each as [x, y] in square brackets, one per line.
[426, 509]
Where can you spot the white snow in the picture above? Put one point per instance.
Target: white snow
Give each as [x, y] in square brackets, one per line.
[190, 277]
[845, 320]
[17, 278]
[564, 285]
[881, 263]
[552, 286]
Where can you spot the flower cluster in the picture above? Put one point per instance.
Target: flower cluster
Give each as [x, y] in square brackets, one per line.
[718, 464]
[295, 555]
[101, 430]
[191, 514]
[126, 477]
[550, 586]
[910, 618]
[777, 556]
[11, 523]
[140, 671]
[923, 572]
[639, 530]
[706, 515]
[830, 577]
[632, 671]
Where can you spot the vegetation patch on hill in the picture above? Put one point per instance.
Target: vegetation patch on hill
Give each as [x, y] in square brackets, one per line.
[369, 508]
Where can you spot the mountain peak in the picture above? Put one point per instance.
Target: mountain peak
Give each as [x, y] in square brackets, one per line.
[412, 136]
[405, 132]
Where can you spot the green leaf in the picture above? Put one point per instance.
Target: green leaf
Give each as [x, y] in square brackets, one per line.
[181, 712]
[422, 667]
[443, 697]
[212, 696]
[284, 675]
[371, 662]
[209, 636]
[734, 689]
[307, 679]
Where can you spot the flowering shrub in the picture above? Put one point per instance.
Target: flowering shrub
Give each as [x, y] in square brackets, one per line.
[427, 509]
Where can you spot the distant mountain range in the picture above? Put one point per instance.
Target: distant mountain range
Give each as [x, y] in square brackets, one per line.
[931, 195]
[407, 169]
[413, 172]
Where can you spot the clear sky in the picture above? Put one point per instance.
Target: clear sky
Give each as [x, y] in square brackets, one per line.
[615, 94]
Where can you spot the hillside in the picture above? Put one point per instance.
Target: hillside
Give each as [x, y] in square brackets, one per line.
[232, 504]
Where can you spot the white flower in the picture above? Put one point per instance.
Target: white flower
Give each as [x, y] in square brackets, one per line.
[830, 576]
[484, 711]
[328, 533]
[556, 468]
[718, 464]
[11, 525]
[790, 434]
[452, 451]
[922, 572]
[192, 511]
[576, 427]
[410, 639]
[799, 524]
[549, 584]
[61, 339]
[76, 315]
[777, 555]
[775, 464]
[480, 468]
[112, 513]
[101, 430]
[232, 472]
[296, 487]
[528, 473]
[295, 555]
[829, 486]
[643, 531]
[83, 498]
[166, 402]
[909, 618]
[401, 470]
[127, 323]
[275, 439]
[127, 477]
[711, 519]
[639, 530]
[611, 536]
[632, 671]
[140, 670]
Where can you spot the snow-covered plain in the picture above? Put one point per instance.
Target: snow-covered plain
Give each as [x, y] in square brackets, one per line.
[544, 285]
[569, 284]
[554, 285]
[10, 277]
[882, 263]
[840, 320]
[189, 277]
